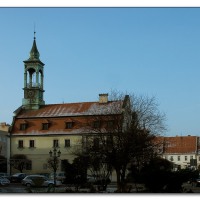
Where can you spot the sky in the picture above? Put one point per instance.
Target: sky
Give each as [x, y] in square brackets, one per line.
[88, 51]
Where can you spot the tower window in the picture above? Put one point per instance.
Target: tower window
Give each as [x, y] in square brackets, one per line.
[67, 143]
[20, 144]
[69, 125]
[31, 143]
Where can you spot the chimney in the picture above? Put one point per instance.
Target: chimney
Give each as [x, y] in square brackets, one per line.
[103, 98]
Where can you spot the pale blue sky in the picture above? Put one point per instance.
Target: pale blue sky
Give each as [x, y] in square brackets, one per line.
[87, 51]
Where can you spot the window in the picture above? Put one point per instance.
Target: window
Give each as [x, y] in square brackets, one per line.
[44, 166]
[185, 158]
[29, 165]
[45, 126]
[96, 143]
[23, 126]
[67, 143]
[179, 158]
[110, 124]
[171, 158]
[20, 144]
[96, 124]
[55, 143]
[191, 157]
[109, 141]
[31, 143]
[69, 125]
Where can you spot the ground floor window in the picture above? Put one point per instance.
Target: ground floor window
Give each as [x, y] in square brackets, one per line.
[29, 165]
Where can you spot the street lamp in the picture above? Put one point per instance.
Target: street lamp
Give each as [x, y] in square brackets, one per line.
[54, 155]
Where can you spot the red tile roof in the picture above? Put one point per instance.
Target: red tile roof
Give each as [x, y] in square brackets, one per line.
[72, 109]
[179, 144]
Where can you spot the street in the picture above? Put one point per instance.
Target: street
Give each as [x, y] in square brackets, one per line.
[19, 188]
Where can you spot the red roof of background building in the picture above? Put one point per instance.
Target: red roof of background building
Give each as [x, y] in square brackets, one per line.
[179, 144]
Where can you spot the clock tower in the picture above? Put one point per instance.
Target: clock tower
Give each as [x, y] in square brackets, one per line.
[33, 80]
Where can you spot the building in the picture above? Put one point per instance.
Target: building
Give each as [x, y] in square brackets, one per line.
[4, 143]
[4, 139]
[37, 127]
[183, 151]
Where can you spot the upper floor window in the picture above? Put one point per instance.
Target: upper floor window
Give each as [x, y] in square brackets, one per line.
[23, 126]
[31, 143]
[55, 143]
[20, 144]
[69, 125]
[67, 143]
[45, 126]
[110, 124]
[96, 124]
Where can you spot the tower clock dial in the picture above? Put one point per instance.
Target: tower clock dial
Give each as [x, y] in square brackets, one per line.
[30, 94]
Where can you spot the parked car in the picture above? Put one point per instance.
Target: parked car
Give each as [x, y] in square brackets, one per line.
[4, 175]
[4, 181]
[39, 181]
[17, 178]
[97, 180]
[60, 176]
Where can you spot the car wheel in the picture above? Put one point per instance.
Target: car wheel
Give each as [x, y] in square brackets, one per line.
[28, 185]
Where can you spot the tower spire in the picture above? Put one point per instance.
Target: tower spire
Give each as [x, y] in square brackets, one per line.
[34, 53]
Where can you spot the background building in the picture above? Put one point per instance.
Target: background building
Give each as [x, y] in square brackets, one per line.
[183, 151]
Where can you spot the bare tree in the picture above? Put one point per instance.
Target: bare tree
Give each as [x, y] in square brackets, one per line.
[19, 162]
[122, 131]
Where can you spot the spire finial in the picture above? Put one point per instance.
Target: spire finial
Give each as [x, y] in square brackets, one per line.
[34, 31]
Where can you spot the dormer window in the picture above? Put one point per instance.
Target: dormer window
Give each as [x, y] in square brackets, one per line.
[23, 126]
[110, 124]
[96, 124]
[69, 125]
[46, 124]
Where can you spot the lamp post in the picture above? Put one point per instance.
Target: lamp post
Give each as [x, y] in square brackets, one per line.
[54, 155]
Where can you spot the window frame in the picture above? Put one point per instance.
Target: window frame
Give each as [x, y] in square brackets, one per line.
[67, 143]
[96, 124]
[20, 144]
[23, 126]
[55, 143]
[69, 125]
[31, 145]
[45, 126]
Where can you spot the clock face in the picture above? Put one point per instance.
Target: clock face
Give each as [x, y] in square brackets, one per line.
[30, 94]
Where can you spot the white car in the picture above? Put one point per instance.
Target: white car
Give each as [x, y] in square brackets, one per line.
[4, 181]
[39, 181]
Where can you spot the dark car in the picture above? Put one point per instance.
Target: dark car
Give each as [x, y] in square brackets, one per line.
[17, 178]
[4, 175]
